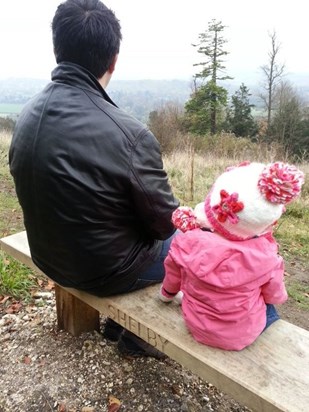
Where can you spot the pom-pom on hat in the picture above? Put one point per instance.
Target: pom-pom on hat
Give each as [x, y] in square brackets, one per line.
[247, 200]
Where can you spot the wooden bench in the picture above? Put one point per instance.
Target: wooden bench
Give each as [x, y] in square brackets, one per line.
[270, 375]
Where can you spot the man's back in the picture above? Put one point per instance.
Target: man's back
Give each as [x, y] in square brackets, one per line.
[91, 184]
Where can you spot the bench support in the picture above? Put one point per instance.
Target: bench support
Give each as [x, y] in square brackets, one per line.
[73, 315]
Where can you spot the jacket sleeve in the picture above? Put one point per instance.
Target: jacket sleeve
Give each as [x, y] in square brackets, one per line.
[274, 290]
[172, 280]
[153, 198]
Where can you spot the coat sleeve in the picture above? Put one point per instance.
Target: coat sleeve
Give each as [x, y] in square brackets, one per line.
[172, 280]
[274, 290]
[153, 198]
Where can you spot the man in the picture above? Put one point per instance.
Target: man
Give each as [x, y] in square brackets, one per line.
[96, 201]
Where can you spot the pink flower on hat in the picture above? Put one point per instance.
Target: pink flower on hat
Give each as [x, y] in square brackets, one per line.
[280, 183]
[228, 207]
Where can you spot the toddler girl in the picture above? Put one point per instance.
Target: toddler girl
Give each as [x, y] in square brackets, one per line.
[226, 261]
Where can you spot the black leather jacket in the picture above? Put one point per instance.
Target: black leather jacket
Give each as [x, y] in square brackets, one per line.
[91, 184]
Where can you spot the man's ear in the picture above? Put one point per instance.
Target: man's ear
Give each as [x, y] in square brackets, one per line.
[113, 64]
[105, 79]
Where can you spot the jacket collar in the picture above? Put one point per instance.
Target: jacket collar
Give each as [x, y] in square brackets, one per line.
[75, 75]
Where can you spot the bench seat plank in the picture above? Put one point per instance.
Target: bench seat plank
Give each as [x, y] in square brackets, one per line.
[270, 375]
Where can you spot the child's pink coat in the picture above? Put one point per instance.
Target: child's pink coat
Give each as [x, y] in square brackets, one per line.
[226, 285]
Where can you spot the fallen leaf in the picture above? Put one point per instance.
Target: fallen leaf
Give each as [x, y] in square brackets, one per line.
[27, 360]
[61, 407]
[50, 285]
[176, 390]
[114, 404]
[40, 282]
[30, 308]
[36, 321]
[4, 299]
[14, 308]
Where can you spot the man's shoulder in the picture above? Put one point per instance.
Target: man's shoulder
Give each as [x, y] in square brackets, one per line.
[123, 118]
[127, 123]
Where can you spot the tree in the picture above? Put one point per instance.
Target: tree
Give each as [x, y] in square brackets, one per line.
[289, 124]
[239, 118]
[165, 123]
[198, 110]
[215, 97]
[7, 124]
[273, 72]
[301, 148]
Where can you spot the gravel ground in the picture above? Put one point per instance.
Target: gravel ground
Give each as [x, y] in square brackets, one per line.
[43, 369]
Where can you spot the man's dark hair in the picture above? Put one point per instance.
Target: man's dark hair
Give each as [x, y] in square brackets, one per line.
[87, 33]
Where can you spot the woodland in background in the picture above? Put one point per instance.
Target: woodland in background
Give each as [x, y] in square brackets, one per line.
[212, 118]
[211, 112]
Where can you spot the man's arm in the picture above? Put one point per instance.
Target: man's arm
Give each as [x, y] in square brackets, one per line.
[152, 194]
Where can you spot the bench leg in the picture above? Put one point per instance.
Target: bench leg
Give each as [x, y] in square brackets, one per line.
[73, 315]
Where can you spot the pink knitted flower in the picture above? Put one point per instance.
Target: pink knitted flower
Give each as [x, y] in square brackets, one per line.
[184, 219]
[280, 182]
[228, 207]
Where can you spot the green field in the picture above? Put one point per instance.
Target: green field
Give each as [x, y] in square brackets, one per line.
[10, 108]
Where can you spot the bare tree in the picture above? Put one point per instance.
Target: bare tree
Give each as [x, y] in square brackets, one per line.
[273, 72]
[165, 124]
[287, 120]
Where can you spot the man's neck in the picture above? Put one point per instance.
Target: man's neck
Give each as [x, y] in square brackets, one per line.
[104, 80]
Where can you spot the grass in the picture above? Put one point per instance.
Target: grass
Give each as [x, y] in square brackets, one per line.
[191, 176]
[10, 215]
[16, 280]
[10, 211]
[300, 294]
[292, 232]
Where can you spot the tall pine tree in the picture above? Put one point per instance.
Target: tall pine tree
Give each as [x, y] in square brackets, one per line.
[207, 91]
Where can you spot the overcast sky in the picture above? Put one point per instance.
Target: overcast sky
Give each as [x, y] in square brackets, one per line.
[158, 36]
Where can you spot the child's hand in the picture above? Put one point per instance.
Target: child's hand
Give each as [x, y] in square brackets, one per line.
[184, 219]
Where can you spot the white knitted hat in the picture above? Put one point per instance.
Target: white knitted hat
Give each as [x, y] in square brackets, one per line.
[246, 200]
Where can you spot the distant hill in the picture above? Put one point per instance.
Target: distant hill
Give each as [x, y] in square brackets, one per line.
[137, 97]
[300, 81]
[19, 90]
[140, 97]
